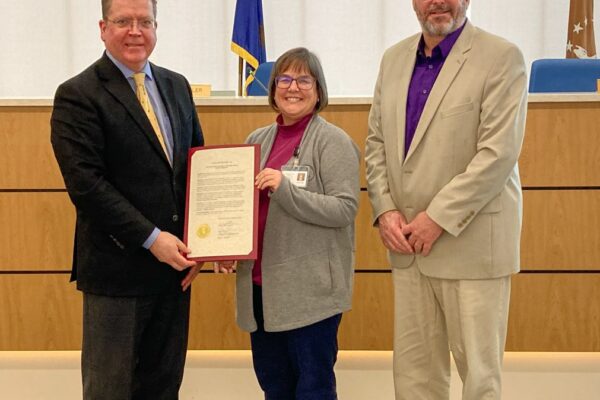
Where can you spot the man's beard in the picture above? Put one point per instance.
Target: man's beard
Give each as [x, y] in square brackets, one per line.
[443, 29]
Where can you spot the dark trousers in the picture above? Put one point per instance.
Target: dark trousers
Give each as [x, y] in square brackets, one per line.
[134, 347]
[295, 364]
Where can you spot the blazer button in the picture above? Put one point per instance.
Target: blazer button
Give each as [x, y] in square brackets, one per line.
[175, 218]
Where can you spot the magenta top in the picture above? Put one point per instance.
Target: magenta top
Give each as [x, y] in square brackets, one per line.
[287, 139]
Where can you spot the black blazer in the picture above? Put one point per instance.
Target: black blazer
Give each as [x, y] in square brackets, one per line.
[119, 178]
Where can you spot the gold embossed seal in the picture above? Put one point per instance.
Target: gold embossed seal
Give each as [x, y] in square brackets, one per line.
[203, 231]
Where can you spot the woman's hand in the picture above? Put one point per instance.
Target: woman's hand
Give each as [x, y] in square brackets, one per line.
[268, 178]
[224, 267]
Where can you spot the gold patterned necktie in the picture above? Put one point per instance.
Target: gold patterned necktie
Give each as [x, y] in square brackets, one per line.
[142, 95]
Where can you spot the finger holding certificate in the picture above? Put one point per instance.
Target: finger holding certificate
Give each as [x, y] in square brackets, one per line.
[222, 203]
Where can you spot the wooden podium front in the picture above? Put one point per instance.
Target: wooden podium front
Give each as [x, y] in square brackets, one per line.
[555, 304]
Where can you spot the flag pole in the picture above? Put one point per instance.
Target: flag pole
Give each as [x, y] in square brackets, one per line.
[240, 74]
[247, 39]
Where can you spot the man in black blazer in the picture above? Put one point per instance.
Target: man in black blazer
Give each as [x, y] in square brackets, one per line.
[129, 193]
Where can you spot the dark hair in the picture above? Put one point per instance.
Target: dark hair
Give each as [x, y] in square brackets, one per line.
[106, 4]
[299, 59]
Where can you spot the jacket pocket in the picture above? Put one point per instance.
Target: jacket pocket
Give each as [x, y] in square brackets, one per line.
[457, 110]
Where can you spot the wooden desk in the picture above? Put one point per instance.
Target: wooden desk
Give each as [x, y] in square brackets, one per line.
[555, 302]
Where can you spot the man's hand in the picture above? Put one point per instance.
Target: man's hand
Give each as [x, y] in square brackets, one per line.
[168, 249]
[190, 276]
[422, 232]
[390, 230]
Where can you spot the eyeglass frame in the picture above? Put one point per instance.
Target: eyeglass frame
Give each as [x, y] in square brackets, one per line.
[127, 23]
[312, 83]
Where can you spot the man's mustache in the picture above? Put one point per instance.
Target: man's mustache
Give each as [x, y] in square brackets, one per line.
[437, 9]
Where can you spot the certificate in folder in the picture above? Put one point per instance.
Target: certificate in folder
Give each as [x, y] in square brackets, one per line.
[221, 219]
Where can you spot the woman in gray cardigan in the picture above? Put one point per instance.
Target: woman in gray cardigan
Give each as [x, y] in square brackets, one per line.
[292, 297]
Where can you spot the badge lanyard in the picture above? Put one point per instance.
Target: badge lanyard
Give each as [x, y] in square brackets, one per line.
[297, 174]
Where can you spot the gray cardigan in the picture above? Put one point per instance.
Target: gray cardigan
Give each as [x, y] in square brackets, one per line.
[308, 250]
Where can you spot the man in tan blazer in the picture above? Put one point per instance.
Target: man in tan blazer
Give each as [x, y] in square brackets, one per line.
[445, 132]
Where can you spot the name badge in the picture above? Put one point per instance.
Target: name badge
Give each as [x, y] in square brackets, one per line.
[297, 175]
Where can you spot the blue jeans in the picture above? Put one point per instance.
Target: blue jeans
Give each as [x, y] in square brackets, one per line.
[295, 364]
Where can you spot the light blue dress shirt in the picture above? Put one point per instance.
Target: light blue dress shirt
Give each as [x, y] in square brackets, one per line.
[161, 115]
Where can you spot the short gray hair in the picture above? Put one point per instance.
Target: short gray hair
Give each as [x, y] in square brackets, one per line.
[106, 4]
[299, 59]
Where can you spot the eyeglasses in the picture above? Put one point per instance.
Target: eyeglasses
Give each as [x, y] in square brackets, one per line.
[303, 82]
[122, 23]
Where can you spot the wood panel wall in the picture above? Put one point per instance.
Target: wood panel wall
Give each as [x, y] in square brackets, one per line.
[555, 304]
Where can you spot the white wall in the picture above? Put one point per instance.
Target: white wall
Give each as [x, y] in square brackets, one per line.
[42, 43]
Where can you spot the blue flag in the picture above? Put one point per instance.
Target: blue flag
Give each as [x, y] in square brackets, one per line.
[248, 39]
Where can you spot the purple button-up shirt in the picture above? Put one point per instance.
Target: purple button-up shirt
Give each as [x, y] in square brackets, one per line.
[424, 75]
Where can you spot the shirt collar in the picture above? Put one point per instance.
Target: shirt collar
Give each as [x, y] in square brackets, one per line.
[444, 47]
[296, 126]
[128, 73]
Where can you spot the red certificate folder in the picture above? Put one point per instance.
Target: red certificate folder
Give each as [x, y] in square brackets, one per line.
[221, 211]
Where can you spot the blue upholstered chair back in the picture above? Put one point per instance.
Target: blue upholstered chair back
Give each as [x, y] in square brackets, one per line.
[564, 75]
[260, 85]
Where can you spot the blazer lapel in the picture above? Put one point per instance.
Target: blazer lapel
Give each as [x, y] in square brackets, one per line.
[452, 66]
[407, 59]
[165, 88]
[114, 81]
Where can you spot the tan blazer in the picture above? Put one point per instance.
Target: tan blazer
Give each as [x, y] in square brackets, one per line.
[462, 164]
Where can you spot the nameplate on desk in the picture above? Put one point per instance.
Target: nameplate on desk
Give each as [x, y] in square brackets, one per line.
[201, 90]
